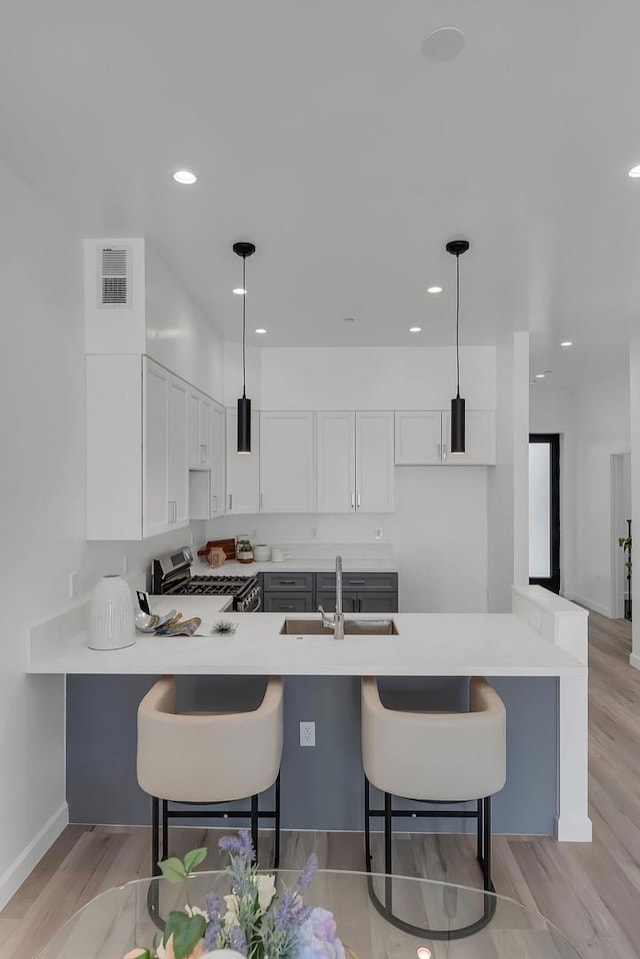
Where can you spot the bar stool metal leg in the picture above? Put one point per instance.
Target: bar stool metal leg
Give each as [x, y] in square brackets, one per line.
[276, 851]
[254, 825]
[155, 836]
[165, 829]
[486, 866]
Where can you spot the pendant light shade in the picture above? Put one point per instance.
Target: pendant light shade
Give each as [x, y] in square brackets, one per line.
[244, 405]
[457, 248]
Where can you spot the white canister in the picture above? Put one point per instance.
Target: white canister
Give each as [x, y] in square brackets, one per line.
[262, 553]
[111, 622]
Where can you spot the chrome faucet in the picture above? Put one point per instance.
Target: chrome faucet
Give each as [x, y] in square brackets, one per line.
[336, 623]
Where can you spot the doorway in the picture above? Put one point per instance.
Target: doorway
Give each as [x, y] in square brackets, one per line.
[620, 518]
[544, 510]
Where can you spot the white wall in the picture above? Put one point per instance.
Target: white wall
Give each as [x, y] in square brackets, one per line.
[42, 492]
[508, 482]
[593, 421]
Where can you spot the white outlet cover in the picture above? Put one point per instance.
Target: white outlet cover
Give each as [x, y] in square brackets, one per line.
[307, 734]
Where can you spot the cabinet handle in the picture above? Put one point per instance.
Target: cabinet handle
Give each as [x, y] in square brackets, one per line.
[261, 500]
[359, 605]
[353, 601]
[230, 501]
[353, 501]
[357, 582]
[175, 511]
[286, 607]
[287, 582]
[439, 453]
[202, 454]
[358, 502]
[214, 504]
[444, 451]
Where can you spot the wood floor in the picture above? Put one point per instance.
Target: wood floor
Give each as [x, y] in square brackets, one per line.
[591, 891]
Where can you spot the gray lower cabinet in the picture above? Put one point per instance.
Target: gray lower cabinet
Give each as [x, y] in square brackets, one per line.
[276, 602]
[304, 592]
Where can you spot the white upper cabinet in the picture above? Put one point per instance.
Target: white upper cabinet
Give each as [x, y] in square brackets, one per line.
[177, 464]
[418, 438]
[243, 469]
[287, 462]
[218, 458]
[165, 478]
[199, 430]
[355, 462]
[480, 439]
[336, 459]
[374, 462]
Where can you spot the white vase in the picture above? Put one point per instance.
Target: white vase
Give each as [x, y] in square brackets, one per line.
[111, 622]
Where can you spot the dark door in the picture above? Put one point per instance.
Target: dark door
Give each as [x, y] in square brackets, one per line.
[544, 510]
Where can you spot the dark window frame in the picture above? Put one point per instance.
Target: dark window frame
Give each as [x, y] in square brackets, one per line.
[552, 440]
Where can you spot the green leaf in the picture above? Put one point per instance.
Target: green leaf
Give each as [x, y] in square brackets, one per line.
[175, 921]
[173, 870]
[186, 938]
[193, 859]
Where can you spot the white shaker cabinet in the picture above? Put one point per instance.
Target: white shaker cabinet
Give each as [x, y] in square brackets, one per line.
[355, 462]
[418, 438]
[480, 439]
[374, 462]
[336, 459]
[243, 469]
[165, 478]
[199, 430]
[177, 465]
[218, 459]
[287, 462]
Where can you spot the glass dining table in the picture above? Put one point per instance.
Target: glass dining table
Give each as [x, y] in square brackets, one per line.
[377, 916]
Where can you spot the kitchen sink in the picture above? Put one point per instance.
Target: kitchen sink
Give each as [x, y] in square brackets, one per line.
[352, 627]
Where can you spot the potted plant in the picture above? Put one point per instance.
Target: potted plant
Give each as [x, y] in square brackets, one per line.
[245, 551]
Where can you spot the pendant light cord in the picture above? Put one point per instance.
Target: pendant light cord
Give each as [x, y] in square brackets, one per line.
[244, 324]
[458, 325]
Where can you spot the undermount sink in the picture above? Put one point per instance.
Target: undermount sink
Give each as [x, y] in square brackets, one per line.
[352, 627]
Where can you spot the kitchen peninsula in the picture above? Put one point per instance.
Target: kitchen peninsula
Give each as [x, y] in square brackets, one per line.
[543, 639]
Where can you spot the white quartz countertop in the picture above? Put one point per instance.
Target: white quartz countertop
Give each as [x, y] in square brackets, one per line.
[428, 644]
[233, 568]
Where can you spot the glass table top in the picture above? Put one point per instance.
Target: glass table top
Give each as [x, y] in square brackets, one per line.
[373, 914]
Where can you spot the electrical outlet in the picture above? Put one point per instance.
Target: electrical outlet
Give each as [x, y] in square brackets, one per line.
[314, 532]
[73, 584]
[378, 532]
[307, 734]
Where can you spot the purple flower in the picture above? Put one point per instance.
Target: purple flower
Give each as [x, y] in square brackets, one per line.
[308, 872]
[238, 940]
[290, 912]
[212, 905]
[238, 846]
[317, 937]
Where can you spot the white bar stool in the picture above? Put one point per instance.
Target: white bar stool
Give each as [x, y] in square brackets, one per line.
[434, 757]
[207, 758]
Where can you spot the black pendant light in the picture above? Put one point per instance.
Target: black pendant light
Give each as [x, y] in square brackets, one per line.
[244, 405]
[456, 248]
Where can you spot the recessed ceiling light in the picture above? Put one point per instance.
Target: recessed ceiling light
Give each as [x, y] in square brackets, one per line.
[186, 177]
[634, 171]
[443, 43]
[566, 343]
[260, 330]
[434, 289]
[423, 952]
[239, 291]
[415, 329]
[539, 376]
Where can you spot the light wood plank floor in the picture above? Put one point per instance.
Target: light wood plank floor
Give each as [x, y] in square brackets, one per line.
[591, 891]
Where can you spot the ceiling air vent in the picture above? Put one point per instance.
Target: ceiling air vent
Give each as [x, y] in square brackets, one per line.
[114, 277]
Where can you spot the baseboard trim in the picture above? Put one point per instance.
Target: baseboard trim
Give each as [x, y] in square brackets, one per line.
[596, 607]
[573, 830]
[15, 875]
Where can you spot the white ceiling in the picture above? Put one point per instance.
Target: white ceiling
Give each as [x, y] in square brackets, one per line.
[319, 131]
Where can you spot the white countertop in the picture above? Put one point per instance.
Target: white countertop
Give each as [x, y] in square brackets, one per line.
[233, 568]
[428, 644]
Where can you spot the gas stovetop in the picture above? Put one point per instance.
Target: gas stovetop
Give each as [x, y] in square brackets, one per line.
[209, 585]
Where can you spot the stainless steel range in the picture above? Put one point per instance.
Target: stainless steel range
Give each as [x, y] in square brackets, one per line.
[171, 574]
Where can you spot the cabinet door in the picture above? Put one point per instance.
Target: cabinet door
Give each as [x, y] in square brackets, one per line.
[177, 460]
[243, 469]
[193, 429]
[480, 439]
[218, 458]
[327, 599]
[156, 509]
[377, 603]
[287, 463]
[204, 432]
[418, 438]
[374, 462]
[336, 461]
[288, 602]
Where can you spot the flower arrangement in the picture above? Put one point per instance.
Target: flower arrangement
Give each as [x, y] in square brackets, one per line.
[253, 921]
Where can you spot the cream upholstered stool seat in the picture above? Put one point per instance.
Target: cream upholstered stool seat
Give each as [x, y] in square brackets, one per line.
[434, 757]
[207, 758]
